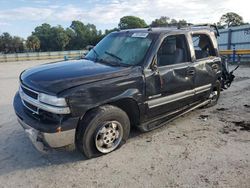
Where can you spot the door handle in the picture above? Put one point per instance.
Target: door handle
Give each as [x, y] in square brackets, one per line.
[191, 72]
[215, 66]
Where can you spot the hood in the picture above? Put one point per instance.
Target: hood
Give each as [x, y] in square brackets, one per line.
[55, 77]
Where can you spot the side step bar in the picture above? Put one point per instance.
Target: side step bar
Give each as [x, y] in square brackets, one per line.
[146, 127]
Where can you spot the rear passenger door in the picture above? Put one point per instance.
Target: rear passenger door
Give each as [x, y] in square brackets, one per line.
[170, 86]
[206, 64]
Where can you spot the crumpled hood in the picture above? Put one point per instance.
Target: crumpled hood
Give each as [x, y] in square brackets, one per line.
[55, 77]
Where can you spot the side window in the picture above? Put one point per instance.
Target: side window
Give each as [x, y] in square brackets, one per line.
[173, 50]
[202, 46]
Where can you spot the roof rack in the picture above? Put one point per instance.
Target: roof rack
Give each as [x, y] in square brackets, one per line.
[206, 25]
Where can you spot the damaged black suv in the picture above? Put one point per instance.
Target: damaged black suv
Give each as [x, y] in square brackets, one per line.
[138, 77]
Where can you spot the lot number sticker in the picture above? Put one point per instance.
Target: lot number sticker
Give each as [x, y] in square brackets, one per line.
[140, 35]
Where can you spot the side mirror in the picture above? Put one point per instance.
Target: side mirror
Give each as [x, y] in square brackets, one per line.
[89, 47]
[153, 65]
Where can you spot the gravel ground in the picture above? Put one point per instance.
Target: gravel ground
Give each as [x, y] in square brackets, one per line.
[205, 148]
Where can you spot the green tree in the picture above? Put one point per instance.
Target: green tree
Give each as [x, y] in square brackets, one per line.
[33, 43]
[182, 23]
[78, 38]
[9, 44]
[51, 38]
[43, 33]
[231, 19]
[17, 44]
[71, 34]
[107, 31]
[82, 35]
[5, 45]
[173, 22]
[130, 22]
[163, 21]
[219, 26]
[92, 34]
[59, 38]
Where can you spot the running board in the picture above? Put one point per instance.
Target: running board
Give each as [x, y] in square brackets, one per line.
[146, 126]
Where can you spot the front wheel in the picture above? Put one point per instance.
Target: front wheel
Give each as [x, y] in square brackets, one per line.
[102, 131]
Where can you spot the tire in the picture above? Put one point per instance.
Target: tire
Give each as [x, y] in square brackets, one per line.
[100, 129]
[215, 94]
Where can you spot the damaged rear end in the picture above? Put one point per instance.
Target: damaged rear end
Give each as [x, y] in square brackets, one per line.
[227, 75]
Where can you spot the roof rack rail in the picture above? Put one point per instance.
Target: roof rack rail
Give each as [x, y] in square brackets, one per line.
[207, 25]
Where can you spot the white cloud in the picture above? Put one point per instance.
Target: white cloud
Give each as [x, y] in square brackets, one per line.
[26, 13]
[4, 24]
[197, 11]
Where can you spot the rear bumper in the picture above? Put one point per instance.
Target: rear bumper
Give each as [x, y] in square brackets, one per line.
[46, 133]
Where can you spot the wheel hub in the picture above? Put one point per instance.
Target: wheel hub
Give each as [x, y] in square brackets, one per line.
[213, 96]
[109, 136]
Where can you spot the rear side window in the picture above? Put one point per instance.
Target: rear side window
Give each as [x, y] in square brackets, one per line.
[173, 50]
[203, 46]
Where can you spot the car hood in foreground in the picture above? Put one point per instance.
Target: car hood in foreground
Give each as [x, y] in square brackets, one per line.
[55, 77]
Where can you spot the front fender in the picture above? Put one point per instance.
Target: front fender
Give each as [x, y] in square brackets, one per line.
[85, 97]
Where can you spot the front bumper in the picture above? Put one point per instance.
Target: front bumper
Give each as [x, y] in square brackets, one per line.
[42, 141]
[45, 133]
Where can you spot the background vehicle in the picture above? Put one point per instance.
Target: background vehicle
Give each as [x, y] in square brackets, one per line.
[141, 78]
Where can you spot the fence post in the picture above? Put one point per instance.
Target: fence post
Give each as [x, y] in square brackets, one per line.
[229, 41]
[239, 57]
[27, 56]
[16, 56]
[5, 57]
[234, 53]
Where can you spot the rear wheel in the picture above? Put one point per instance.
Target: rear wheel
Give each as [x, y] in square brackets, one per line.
[102, 131]
[215, 94]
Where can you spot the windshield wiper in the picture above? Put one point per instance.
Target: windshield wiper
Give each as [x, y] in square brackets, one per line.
[113, 55]
[112, 63]
[107, 62]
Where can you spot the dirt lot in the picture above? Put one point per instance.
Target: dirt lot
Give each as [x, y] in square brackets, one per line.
[205, 148]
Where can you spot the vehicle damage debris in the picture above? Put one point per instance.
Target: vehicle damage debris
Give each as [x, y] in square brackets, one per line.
[227, 75]
[244, 125]
[221, 109]
[247, 105]
[204, 117]
[234, 126]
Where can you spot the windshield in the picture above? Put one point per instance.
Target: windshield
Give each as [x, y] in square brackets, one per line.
[123, 49]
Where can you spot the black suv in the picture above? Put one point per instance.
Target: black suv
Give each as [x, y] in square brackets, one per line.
[138, 77]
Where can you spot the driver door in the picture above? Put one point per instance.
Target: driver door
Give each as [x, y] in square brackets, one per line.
[170, 85]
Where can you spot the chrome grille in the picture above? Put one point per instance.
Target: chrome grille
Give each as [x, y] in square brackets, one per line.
[30, 107]
[23, 90]
[30, 100]
[31, 93]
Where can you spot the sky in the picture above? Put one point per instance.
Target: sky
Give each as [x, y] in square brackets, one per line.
[20, 17]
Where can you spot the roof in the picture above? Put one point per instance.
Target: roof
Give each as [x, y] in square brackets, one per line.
[158, 30]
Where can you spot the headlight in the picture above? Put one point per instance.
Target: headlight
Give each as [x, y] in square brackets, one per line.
[52, 100]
